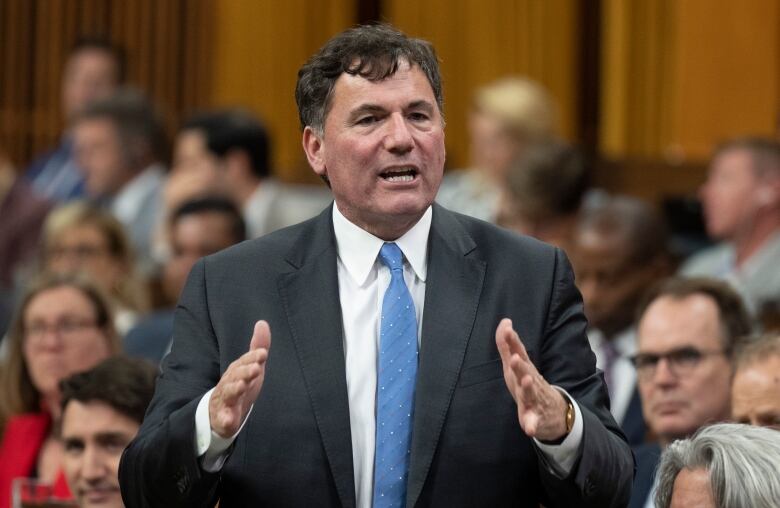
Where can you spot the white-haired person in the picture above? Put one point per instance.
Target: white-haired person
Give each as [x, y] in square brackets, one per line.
[722, 466]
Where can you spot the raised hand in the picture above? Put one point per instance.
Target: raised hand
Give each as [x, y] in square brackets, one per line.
[541, 408]
[240, 384]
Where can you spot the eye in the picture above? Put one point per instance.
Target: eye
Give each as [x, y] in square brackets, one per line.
[685, 357]
[73, 446]
[366, 120]
[418, 116]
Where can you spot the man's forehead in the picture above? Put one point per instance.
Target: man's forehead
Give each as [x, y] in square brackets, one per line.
[358, 86]
[673, 322]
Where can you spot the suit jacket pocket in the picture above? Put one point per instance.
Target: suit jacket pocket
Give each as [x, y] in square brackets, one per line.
[481, 373]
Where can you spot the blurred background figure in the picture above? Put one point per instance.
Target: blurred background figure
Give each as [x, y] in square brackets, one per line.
[63, 326]
[228, 152]
[80, 237]
[755, 391]
[619, 249]
[741, 201]
[197, 228]
[22, 213]
[102, 410]
[687, 332]
[94, 69]
[507, 116]
[544, 190]
[120, 146]
[722, 466]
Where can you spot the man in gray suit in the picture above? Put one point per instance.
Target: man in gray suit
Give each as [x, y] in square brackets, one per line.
[484, 418]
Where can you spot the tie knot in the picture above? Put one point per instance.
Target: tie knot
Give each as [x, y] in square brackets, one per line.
[391, 256]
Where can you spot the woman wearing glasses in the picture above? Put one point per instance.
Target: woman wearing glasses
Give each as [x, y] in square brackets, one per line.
[63, 326]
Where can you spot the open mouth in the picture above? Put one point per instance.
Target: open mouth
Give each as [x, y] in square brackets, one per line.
[406, 174]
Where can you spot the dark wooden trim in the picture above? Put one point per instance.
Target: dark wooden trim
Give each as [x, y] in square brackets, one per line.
[368, 11]
[589, 50]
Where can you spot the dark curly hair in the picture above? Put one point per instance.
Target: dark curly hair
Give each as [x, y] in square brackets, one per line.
[373, 52]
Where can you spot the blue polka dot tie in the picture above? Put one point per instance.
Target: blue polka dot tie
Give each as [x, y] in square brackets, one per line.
[395, 385]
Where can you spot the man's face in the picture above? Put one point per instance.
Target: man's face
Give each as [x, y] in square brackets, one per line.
[729, 196]
[382, 150]
[755, 393]
[611, 284]
[692, 487]
[99, 155]
[90, 74]
[676, 401]
[94, 435]
[194, 236]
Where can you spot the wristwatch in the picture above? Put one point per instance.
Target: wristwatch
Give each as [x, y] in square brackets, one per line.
[569, 415]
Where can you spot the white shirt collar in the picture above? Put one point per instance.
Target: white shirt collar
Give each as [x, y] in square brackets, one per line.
[126, 205]
[358, 249]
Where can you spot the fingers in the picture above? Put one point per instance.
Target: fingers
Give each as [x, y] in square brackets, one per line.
[508, 341]
[261, 336]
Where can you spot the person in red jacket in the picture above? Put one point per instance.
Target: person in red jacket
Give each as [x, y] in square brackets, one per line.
[63, 326]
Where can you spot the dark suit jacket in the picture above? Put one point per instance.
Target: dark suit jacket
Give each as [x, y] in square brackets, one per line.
[647, 457]
[633, 424]
[295, 449]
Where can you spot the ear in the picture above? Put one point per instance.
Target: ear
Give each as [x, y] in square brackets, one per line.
[314, 146]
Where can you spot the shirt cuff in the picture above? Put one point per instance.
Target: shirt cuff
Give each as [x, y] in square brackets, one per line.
[561, 457]
[210, 447]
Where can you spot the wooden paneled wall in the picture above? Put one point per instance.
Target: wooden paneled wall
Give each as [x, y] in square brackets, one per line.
[478, 42]
[168, 49]
[675, 76]
[259, 47]
[680, 76]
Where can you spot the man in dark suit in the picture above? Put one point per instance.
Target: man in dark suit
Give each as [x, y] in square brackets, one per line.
[687, 332]
[313, 423]
[619, 248]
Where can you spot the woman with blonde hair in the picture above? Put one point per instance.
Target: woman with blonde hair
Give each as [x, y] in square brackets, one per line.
[82, 237]
[507, 117]
[63, 325]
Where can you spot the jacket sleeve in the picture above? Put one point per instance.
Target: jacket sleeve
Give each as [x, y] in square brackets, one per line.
[603, 473]
[160, 466]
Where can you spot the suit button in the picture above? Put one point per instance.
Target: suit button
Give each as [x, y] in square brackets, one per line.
[589, 487]
[182, 481]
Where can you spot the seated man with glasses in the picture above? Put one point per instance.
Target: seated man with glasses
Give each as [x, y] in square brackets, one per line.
[687, 330]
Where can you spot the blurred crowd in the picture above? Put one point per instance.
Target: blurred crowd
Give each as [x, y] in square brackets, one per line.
[97, 238]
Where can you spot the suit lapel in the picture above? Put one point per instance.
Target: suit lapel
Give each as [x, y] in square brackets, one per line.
[452, 294]
[311, 300]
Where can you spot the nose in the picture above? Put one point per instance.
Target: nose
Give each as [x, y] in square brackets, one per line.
[663, 375]
[398, 139]
[92, 466]
[50, 338]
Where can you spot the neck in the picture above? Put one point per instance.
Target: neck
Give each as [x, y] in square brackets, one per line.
[243, 192]
[753, 239]
[51, 404]
[388, 231]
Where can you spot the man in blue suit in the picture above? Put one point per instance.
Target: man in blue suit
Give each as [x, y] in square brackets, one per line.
[483, 418]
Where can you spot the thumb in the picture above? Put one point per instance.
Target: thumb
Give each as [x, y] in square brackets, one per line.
[261, 337]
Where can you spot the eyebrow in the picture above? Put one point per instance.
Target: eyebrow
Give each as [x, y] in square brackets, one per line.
[112, 437]
[376, 108]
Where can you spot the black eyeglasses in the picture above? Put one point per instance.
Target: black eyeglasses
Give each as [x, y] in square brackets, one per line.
[680, 361]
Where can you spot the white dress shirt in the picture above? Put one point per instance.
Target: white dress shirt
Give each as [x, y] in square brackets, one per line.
[623, 371]
[363, 280]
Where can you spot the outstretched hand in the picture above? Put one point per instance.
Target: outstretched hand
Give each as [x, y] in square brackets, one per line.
[240, 385]
[541, 408]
